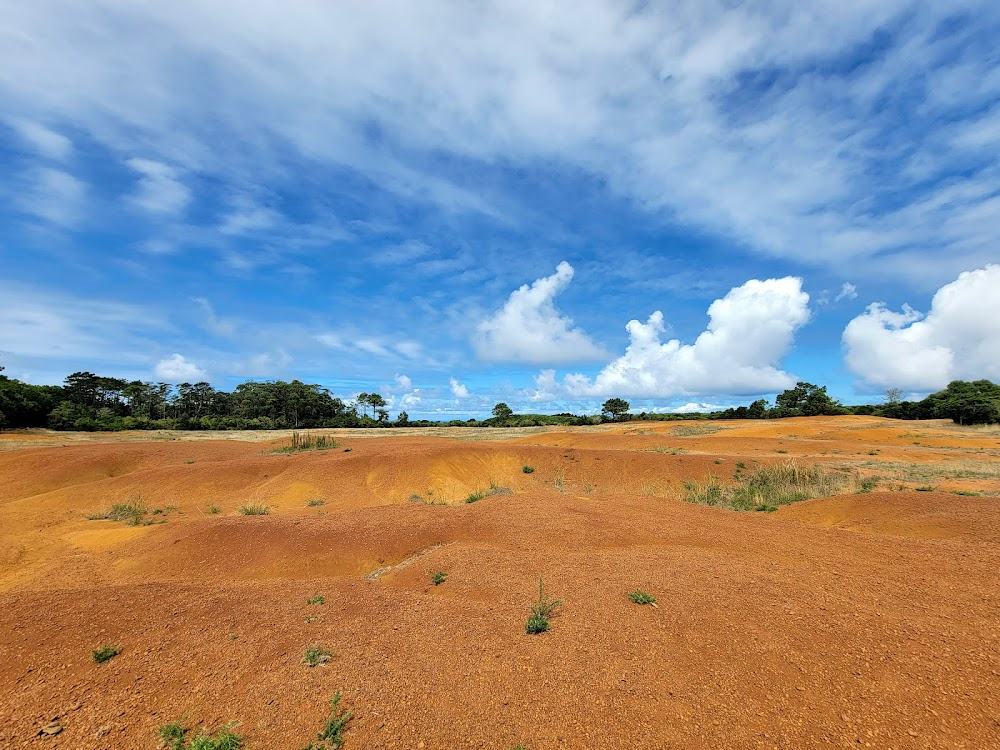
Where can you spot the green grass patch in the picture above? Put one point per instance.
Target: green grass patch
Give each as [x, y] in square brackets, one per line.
[133, 512]
[306, 442]
[541, 611]
[318, 599]
[315, 502]
[641, 597]
[924, 488]
[438, 577]
[175, 737]
[769, 486]
[105, 653]
[528, 469]
[316, 656]
[252, 509]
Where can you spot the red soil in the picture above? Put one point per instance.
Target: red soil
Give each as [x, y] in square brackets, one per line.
[856, 621]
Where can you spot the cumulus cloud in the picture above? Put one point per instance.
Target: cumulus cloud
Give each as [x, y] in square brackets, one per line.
[178, 369]
[159, 191]
[458, 390]
[403, 383]
[750, 330]
[529, 329]
[959, 339]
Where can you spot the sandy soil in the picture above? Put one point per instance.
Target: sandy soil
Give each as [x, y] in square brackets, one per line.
[868, 620]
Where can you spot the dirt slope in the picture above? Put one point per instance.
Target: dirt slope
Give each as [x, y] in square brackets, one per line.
[866, 620]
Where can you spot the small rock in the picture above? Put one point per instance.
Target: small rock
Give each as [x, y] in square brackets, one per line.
[51, 730]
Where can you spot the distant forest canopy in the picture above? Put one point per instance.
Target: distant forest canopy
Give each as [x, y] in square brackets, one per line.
[91, 402]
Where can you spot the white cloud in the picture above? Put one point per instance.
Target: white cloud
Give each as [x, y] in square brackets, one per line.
[750, 330]
[177, 369]
[159, 191]
[46, 142]
[403, 383]
[692, 407]
[847, 291]
[529, 328]
[457, 389]
[53, 195]
[410, 400]
[748, 119]
[959, 339]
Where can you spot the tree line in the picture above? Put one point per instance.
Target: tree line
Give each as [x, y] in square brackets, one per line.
[92, 402]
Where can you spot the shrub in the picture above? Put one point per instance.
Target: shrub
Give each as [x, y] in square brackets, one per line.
[174, 737]
[315, 656]
[538, 621]
[307, 442]
[528, 469]
[253, 510]
[105, 652]
[641, 597]
[439, 577]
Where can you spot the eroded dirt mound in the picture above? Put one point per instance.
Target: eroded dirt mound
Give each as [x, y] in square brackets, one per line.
[858, 620]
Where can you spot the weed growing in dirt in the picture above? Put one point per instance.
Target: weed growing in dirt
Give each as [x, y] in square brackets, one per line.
[316, 600]
[306, 442]
[476, 496]
[214, 510]
[767, 487]
[253, 510]
[174, 737]
[315, 656]
[641, 597]
[528, 469]
[439, 577]
[105, 652]
[316, 502]
[332, 736]
[924, 488]
[965, 492]
[132, 512]
[538, 622]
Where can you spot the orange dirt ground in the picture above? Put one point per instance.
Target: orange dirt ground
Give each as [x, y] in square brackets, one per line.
[869, 620]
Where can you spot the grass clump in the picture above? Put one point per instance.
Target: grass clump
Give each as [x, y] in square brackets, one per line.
[214, 510]
[528, 469]
[316, 656]
[439, 577]
[541, 611]
[495, 489]
[924, 488]
[318, 599]
[174, 737]
[133, 512]
[476, 496]
[767, 487]
[253, 509]
[105, 652]
[307, 442]
[332, 736]
[316, 502]
[641, 597]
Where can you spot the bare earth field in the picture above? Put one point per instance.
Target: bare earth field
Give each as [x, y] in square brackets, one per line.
[862, 620]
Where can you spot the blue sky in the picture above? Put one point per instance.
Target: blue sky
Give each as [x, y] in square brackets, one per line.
[458, 204]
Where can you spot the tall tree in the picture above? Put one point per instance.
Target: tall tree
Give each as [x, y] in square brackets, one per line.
[615, 408]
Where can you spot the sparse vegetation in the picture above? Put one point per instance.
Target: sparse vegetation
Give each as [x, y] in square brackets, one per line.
[214, 509]
[131, 511]
[315, 656]
[315, 502]
[332, 736]
[767, 487]
[439, 577]
[495, 489]
[925, 488]
[174, 737]
[541, 611]
[306, 442]
[253, 509]
[476, 496]
[528, 469]
[105, 653]
[318, 599]
[641, 597]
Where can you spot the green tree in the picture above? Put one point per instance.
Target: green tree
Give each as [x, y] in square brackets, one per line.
[615, 408]
[502, 413]
[805, 400]
[976, 402]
